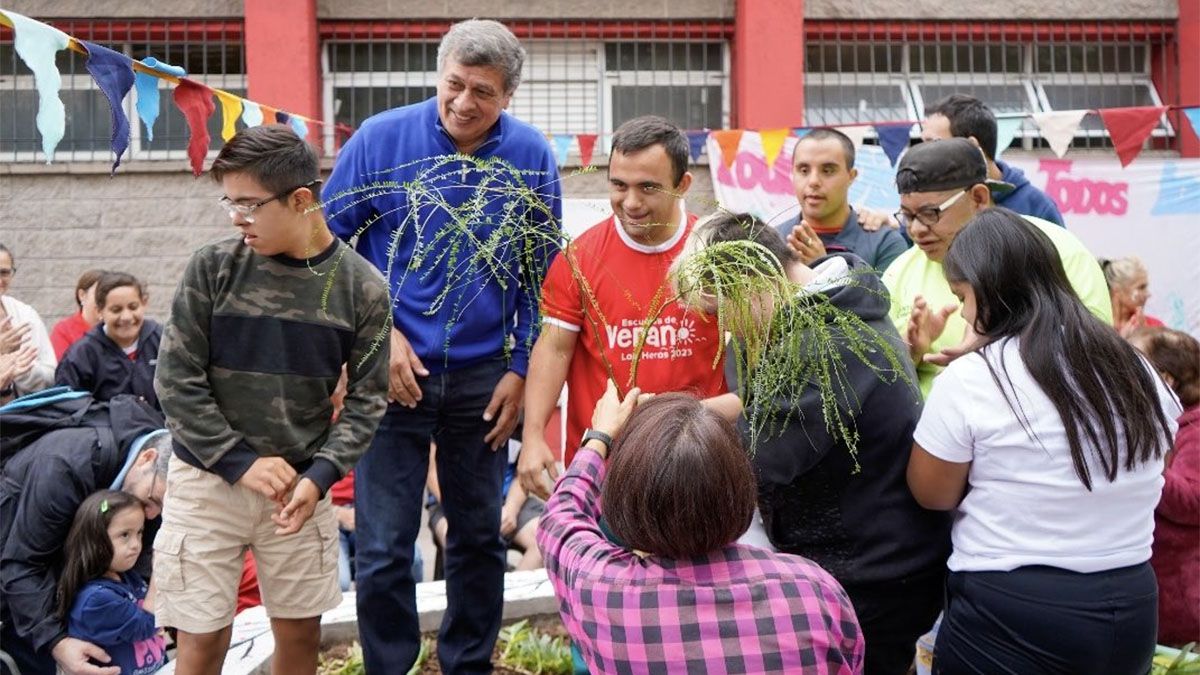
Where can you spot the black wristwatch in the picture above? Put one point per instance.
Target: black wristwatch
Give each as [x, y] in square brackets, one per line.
[592, 434]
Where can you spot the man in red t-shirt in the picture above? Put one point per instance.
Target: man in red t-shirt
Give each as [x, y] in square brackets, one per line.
[608, 293]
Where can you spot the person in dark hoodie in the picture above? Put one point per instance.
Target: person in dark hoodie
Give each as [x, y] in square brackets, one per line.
[118, 355]
[41, 488]
[851, 512]
[963, 116]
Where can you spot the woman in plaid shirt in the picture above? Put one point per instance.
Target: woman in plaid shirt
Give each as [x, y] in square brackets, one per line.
[683, 597]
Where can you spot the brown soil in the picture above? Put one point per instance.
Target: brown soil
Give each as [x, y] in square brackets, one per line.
[547, 623]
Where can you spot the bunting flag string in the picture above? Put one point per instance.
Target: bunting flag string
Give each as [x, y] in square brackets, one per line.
[113, 73]
[37, 44]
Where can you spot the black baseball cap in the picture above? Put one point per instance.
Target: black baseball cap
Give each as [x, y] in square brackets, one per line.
[935, 166]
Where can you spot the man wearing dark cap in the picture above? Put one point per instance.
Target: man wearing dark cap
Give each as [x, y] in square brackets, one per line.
[942, 185]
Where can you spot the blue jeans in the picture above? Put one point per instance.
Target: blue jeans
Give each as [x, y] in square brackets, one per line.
[389, 490]
[346, 560]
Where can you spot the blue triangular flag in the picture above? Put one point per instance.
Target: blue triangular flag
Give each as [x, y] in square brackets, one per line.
[113, 73]
[147, 91]
[1193, 115]
[562, 146]
[696, 141]
[1006, 131]
[282, 117]
[893, 138]
[299, 126]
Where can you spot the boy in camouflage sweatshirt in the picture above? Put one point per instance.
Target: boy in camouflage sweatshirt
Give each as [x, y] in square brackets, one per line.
[262, 327]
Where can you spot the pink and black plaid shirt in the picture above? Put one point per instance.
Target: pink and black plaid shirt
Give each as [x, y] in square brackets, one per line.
[737, 610]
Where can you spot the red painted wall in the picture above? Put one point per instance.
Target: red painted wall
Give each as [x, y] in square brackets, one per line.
[283, 64]
[1189, 72]
[768, 64]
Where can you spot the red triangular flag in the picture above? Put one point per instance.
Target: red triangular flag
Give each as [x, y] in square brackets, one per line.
[587, 144]
[1129, 128]
[728, 140]
[195, 101]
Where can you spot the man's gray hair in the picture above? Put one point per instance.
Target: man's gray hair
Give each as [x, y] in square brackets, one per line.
[483, 42]
[160, 442]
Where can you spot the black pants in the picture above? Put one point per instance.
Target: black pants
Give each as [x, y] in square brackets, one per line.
[1040, 619]
[893, 615]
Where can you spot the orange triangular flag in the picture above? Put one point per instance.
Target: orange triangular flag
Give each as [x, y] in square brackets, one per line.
[1129, 128]
[772, 143]
[587, 144]
[728, 141]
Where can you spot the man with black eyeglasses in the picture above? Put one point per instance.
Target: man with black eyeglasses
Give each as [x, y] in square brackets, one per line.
[943, 185]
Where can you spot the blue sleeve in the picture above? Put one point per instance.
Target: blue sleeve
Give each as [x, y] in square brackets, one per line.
[546, 221]
[347, 213]
[1048, 210]
[74, 370]
[103, 616]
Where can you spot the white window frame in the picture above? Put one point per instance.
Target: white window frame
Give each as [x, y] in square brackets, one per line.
[897, 80]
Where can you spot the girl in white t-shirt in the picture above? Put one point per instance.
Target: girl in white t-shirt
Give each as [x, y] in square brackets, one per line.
[1047, 440]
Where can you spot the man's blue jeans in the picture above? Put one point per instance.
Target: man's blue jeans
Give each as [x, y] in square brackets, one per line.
[389, 490]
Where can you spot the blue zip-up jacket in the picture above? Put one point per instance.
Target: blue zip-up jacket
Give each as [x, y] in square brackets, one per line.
[461, 288]
[109, 614]
[1027, 199]
[97, 364]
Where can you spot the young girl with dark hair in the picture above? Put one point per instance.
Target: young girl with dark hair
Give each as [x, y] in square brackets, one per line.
[119, 355]
[100, 596]
[1047, 440]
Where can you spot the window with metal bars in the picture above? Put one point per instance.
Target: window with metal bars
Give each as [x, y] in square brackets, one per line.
[217, 63]
[894, 81]
[568, 86]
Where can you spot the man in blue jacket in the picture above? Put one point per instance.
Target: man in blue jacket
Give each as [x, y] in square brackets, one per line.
[458, 203]
[963, 116]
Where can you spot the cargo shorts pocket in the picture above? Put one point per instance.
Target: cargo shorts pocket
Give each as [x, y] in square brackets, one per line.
[168, 560]
[327, 532]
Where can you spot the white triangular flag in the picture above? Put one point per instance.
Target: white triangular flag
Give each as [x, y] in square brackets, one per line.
[856, 133]
[1058, 128]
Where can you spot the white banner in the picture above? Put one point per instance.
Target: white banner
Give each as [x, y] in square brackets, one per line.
[1150, 209]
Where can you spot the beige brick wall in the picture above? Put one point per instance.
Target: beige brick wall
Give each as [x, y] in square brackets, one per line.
[147, 223]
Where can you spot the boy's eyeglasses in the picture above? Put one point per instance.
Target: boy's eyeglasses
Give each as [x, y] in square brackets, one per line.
[246, 211]
[928, 215]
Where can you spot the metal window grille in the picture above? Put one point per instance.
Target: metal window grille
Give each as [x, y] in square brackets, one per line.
[578, 77]
[864, 73]
[210, 51]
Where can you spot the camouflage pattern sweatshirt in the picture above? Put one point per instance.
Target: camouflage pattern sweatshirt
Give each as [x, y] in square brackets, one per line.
[254, 349]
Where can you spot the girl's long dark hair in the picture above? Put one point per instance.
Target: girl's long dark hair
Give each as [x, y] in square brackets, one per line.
[88, 551]
[1102, 389]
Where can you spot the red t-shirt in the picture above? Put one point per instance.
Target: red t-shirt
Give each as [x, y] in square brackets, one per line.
[67, 332]
[628, 281]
